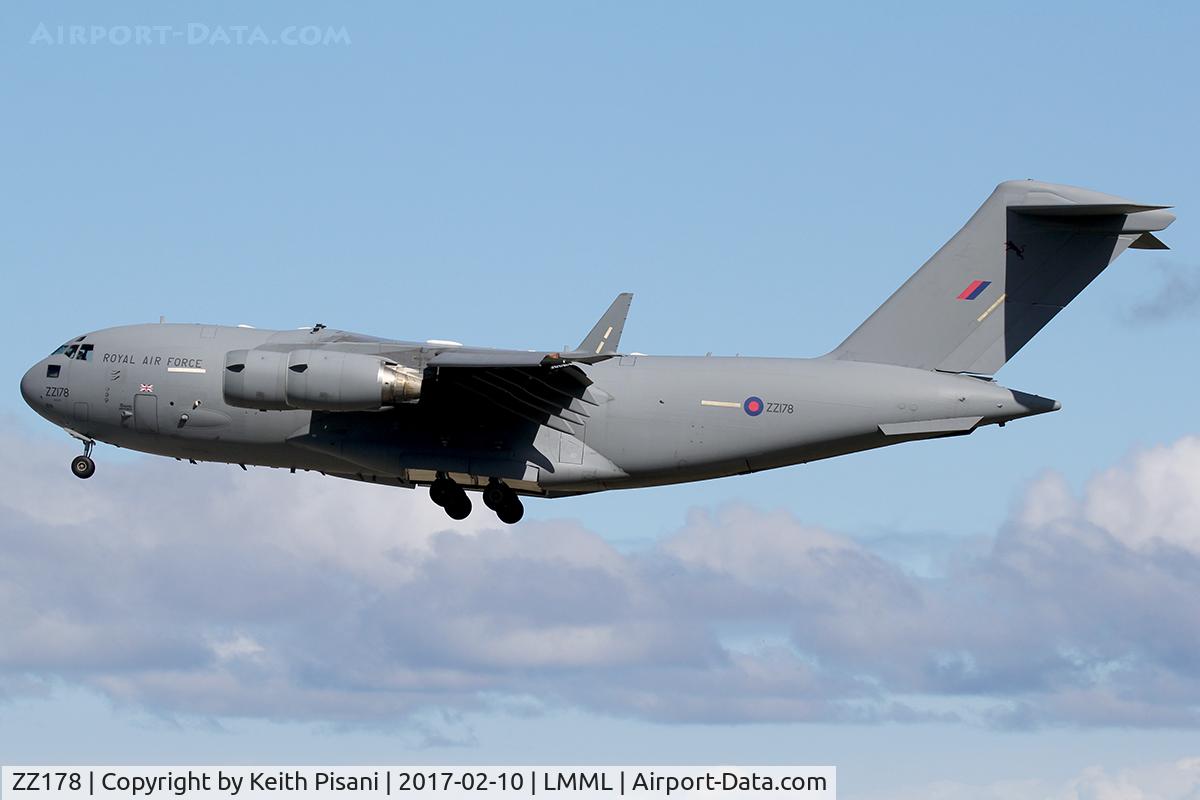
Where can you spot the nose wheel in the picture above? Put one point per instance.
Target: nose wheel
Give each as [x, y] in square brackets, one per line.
[83, 466]
[500, 497]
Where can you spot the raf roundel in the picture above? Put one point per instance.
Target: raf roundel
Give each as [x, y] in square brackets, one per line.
[753, 406]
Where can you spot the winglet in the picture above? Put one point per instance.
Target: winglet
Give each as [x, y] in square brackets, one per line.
[606, 335]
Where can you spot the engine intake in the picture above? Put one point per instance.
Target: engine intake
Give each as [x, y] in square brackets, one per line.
[317, 380]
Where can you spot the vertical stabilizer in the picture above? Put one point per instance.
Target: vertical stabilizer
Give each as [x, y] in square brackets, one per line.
[1028, 251]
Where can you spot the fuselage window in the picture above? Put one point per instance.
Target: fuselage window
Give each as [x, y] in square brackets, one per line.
[52, 370]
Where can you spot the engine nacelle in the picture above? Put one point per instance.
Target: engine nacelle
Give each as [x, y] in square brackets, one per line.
[256, 379]
[329, 380]
[318, 380]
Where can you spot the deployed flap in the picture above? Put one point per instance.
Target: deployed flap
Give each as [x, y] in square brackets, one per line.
[606, 335]
[557, 397]
[540, 386]
[1023, 256]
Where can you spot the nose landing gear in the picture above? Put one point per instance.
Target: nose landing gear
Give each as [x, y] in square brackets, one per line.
[83, 466]
[500, 497]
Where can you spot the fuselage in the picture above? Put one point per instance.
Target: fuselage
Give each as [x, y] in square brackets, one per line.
[648, 420]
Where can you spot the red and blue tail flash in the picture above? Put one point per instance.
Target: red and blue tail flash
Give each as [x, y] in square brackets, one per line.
[974, 290]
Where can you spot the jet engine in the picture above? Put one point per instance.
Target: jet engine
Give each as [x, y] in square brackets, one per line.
[318, 380]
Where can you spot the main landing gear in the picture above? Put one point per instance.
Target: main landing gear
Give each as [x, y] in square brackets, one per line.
[83, 466]
[497, 496]
[450, 496]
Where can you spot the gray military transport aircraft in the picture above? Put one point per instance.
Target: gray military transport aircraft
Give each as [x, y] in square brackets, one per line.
[552, 424]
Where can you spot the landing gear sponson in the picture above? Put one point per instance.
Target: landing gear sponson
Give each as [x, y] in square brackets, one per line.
[498, 496]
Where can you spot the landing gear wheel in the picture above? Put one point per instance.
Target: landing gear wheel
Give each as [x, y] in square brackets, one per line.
[499, 497]
[496, 494]
[83, 467]
[460, 507]
[441, 491]
[450, 496]
[511, 512]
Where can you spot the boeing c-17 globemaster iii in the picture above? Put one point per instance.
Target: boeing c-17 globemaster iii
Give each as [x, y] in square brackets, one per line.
[513, 423]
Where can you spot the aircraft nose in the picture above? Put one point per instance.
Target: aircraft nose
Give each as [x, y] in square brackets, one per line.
[29, 385]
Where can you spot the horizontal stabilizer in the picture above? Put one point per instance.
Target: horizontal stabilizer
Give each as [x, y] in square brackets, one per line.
[1085, 210]
[1148, 241]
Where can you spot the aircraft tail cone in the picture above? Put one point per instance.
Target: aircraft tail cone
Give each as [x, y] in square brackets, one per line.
[1035, 404]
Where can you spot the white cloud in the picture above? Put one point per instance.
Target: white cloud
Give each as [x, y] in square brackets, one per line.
[1152, 500]
[206, 590]
[238, 647]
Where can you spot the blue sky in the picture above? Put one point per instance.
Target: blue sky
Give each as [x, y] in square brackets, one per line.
[760, 177]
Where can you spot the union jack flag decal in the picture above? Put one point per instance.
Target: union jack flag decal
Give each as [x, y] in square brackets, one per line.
[146, 387]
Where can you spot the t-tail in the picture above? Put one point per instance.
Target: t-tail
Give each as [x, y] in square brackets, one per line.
[1026, 253]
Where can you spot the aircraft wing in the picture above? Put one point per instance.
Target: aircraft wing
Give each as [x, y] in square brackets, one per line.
[546, 387]
[557, 396]
[600, 344]
[511, 358]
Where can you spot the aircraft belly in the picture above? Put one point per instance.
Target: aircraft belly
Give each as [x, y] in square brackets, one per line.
[416, 459]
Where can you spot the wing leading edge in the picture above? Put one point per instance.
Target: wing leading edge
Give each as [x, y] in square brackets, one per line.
[600, 344]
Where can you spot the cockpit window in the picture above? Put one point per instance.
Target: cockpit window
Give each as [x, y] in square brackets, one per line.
[84, 353]
[70, 348]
